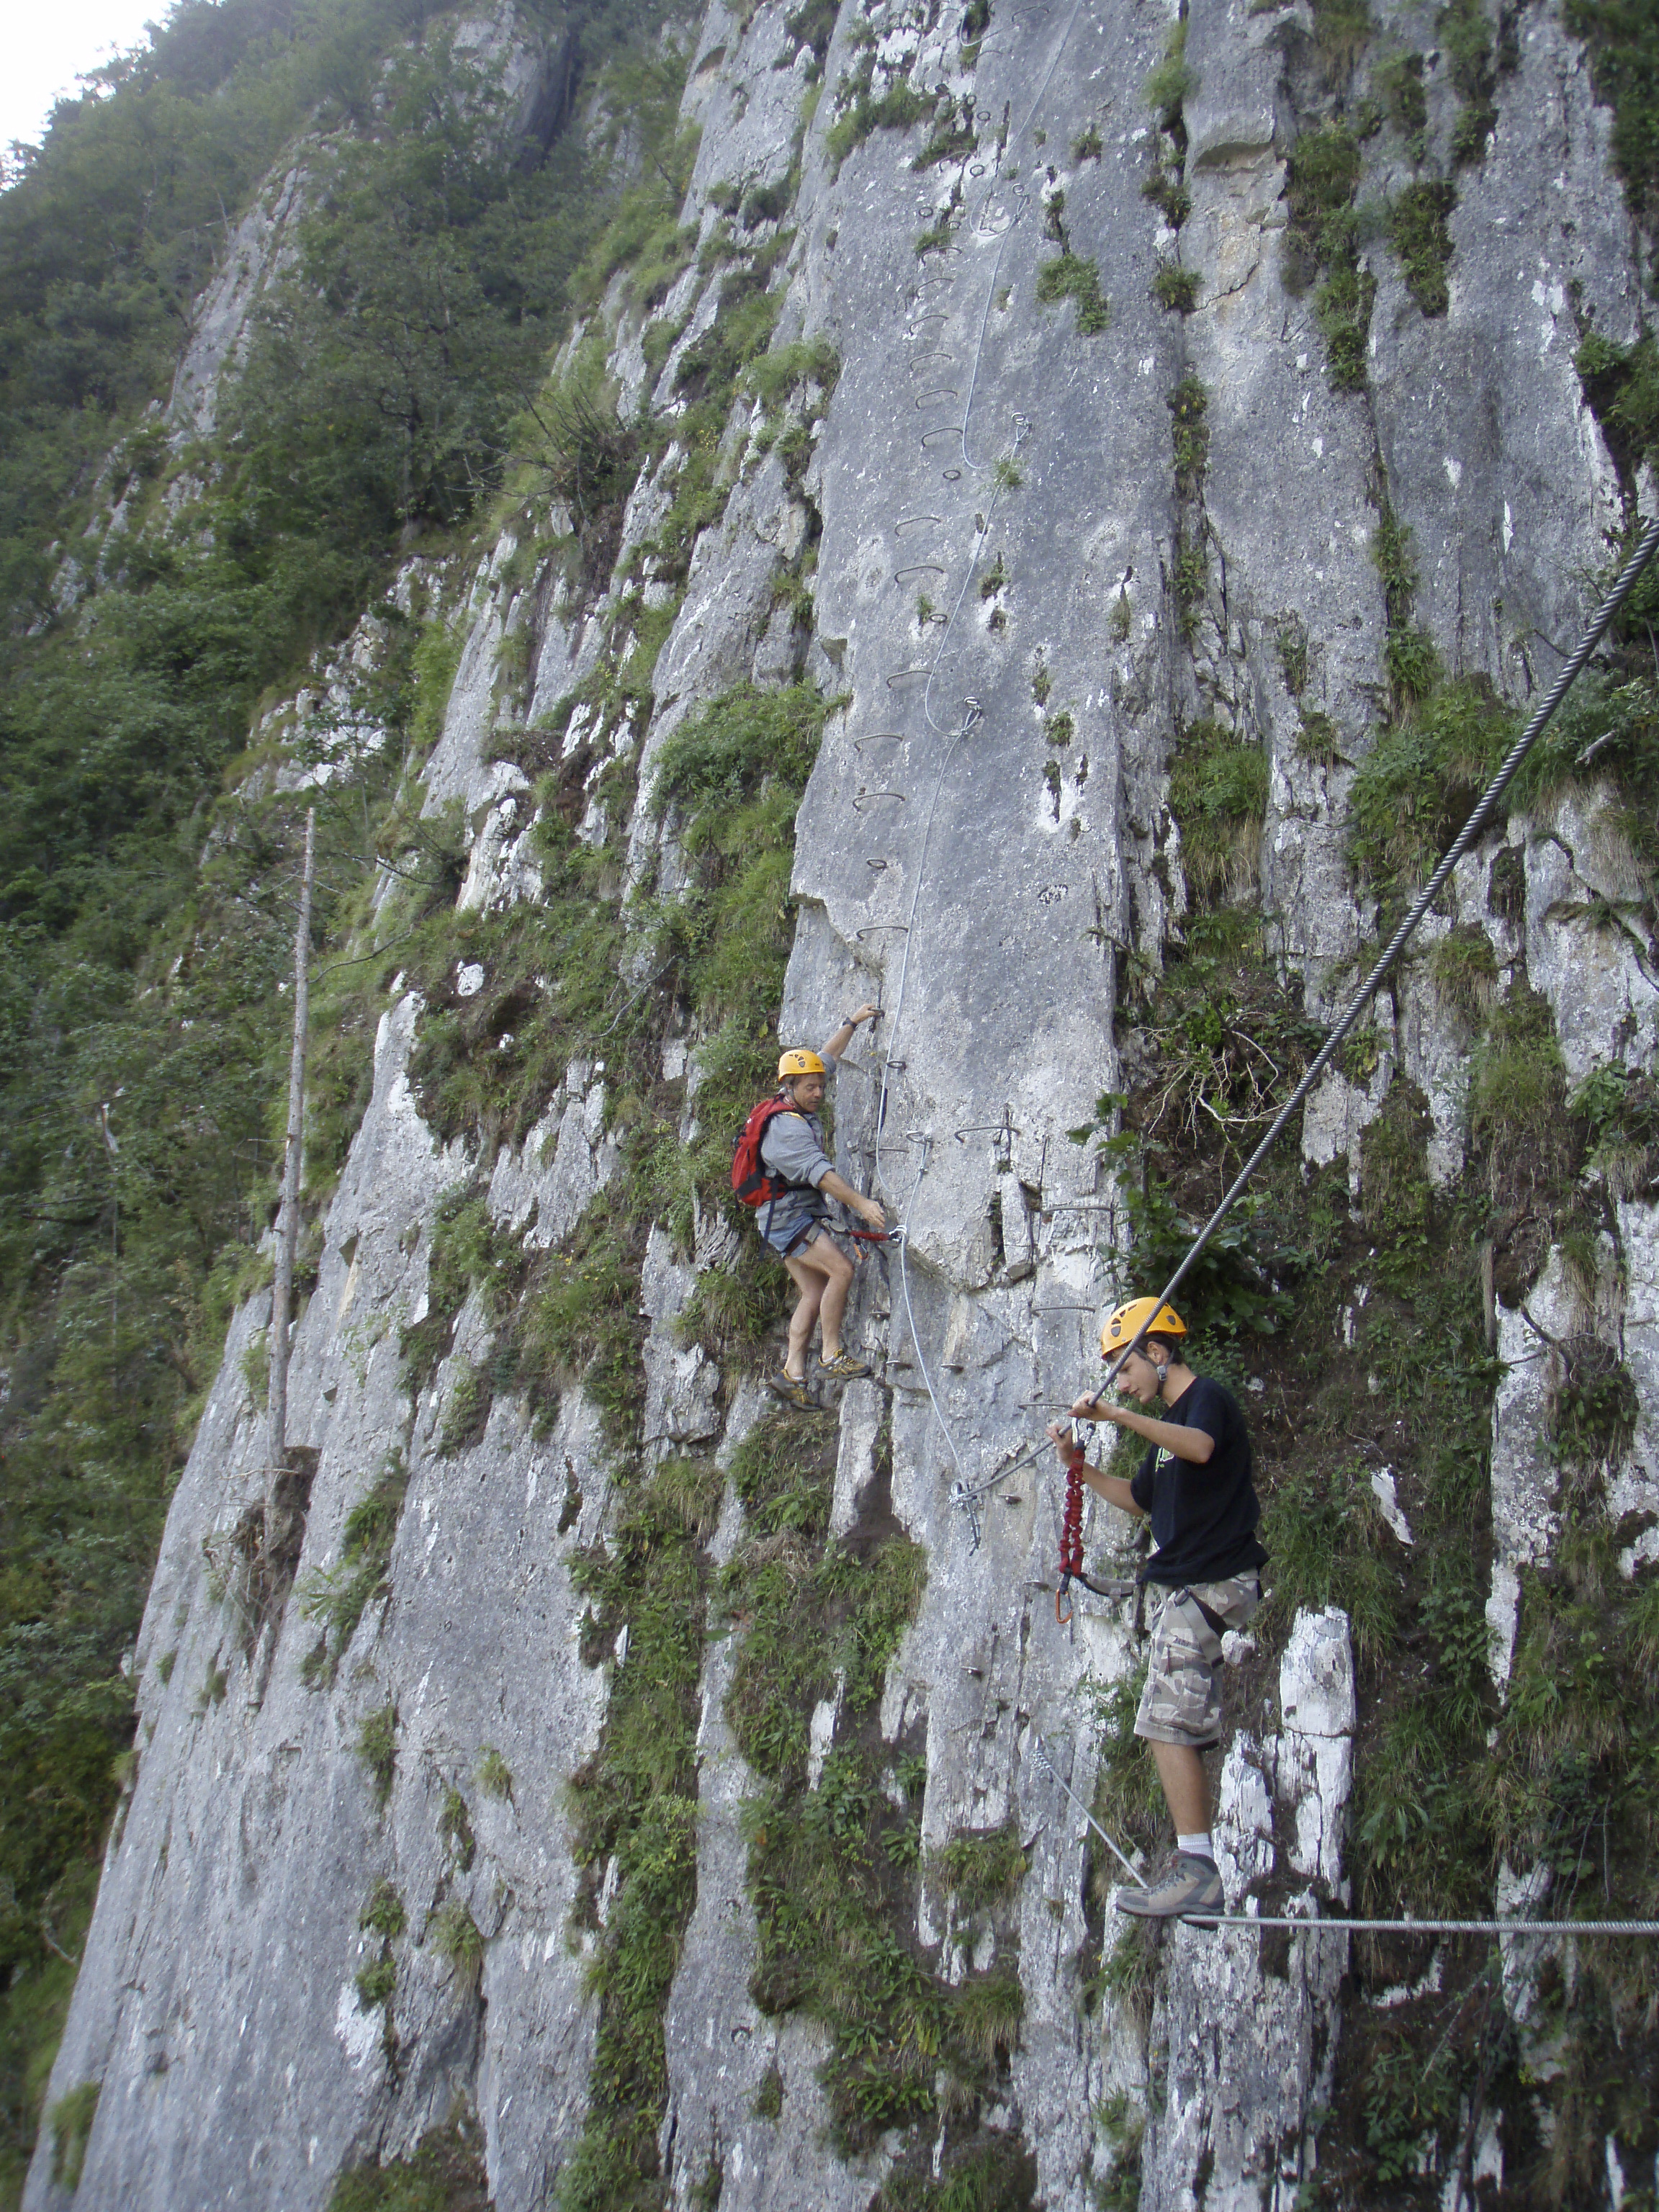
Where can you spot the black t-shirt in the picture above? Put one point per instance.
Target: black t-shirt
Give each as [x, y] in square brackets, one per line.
[1203, 1517]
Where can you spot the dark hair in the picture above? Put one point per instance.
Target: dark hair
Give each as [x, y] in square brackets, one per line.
[1173, 1345]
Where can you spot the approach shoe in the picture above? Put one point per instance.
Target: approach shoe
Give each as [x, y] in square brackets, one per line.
[1193, 1891]
[792, 1393]
[845, 1367]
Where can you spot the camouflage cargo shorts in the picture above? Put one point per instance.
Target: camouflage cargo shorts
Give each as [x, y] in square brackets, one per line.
[1182, 1701]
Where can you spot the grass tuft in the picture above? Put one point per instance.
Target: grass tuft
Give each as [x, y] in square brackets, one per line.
[1218, 795]
[1417, 229]
[383, 1912]
[1069, 277]
[70, 2120]
[377, 1747]
[455, 1828]
[1326, 1540]
[494, 1775]
[895, 109]
[979, 1870]
[1419, 784]
[453, 1934]
[445, 2173]
[1171, 80]
[1189, 407]
[1176, 288]
[377, 1981]
[337, 1597]
[1322, 241]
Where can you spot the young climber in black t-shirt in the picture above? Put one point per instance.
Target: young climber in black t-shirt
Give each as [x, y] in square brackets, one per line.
[1194, 1484]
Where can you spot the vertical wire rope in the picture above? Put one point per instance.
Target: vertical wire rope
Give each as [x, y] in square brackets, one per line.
[909, 1316]
[970, 714]
[996, 269]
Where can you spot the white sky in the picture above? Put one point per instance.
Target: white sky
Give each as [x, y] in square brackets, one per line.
[47, 43]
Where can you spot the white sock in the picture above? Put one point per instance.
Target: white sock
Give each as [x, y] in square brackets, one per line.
[1196, 1847]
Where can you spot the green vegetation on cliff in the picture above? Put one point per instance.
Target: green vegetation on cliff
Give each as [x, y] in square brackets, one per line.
[157, 596]
[1623, 37]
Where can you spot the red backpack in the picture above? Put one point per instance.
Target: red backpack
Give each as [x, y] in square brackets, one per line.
[753, 1181]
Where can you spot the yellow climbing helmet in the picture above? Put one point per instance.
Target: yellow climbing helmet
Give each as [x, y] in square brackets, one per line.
[1122, 1325]
[801, 1063]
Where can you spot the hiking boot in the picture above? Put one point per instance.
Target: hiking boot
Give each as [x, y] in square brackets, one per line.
[845, 1367]
[1193, 1891]
[792, 1393]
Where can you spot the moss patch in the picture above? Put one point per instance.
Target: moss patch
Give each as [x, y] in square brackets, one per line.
[444, 2174]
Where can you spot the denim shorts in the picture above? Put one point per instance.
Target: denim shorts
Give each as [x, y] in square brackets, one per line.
[787, 1222]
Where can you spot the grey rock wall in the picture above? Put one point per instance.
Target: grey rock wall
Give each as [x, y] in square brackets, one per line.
[987, 884]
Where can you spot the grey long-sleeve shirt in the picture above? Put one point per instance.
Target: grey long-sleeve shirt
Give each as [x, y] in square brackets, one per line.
[793, 1146]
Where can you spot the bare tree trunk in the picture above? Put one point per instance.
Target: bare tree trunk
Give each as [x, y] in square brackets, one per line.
[287, 1234]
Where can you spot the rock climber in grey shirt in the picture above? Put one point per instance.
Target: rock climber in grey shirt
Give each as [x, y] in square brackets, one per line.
[793, 1223]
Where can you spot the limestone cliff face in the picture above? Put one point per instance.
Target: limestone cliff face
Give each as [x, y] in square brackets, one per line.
[1001, 521]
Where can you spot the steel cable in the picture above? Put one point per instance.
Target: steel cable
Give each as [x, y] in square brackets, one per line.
[1599, 623]
[1646, 546]
[1425, 1927]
